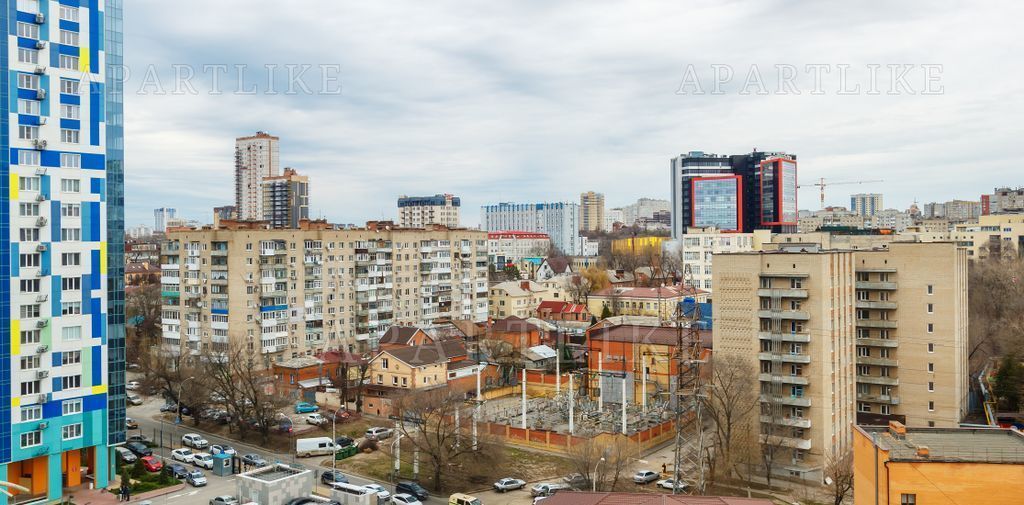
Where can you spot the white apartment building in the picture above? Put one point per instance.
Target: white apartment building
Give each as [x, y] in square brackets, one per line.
[866, 204]
[504, 247]
[612, 216]
[699, 245]
[559, 220]
[161, 216]
[891, 219]
[423, 211]
[644, 208]
[256, 157]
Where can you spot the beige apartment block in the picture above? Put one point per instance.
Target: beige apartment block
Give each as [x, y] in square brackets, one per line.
[521, 298]
[791, 317]
[998, 235]
[288, 293]
[591, 211]
[912, 333]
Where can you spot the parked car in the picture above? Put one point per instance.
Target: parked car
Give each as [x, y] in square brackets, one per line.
[226, 449]
[509, 484]
[196, 478]
[329, 478]
[177, 471]
[139, 449]
[284, 426]
[412, 488]
[463, 499]
[217, 398]
[344, 441]
[132, 385]
[254, 460]
[169, 407]
[382, 493]
[126, 455]
[152, 464]
[134, 399]
[130, 424]
[341, 415]
[194, 440]
[316, 420]
[575, 480]
[184, 455]
[645, 476]
[547, 488]
[670, 484]
[224, 500]
[405, 499]
[204, 460]
[378, 433]
[305, 408]
[142, 439]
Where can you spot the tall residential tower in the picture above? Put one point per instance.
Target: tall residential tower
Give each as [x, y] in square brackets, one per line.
[256, 158]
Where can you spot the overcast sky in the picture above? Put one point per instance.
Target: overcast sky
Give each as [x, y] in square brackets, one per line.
[540, 100]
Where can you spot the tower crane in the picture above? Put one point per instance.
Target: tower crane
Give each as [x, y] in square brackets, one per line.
[821, 184]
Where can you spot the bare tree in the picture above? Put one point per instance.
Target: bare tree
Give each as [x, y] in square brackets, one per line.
[839, 475]
[249, 392]
[600, 464]
[363, 374]
[995, 306]
[772, 434]
[730, 406]
[428, 423]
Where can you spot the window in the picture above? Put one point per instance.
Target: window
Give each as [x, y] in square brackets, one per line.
[69, 86]
[931, 406]
[28, 209]
[30, 336]
[908, 499]
[71, 259]
[931, 347]
[31, 413]
[28, 260]
[69, 13]
[71, 210]
[29, 311]
[931, 367]
[31, 439]
[70, 357]
[70, 111]
[30, 362]
[68, 62]
[70, 308]
[69, 160]
[26, 132]
[27, 30]
[68, 38]
[71, 234]
[30, 388]
[28, 183]
[71, 431]
[29, 56]
[71, 333]
[884, 410]
[29, 234]
[30, 158]
[29, 285]
[931, 328]
[29, 107]
[70, 136]
[29, 6]
[28, 81]
[931, 289]
[863, 352]
[71, 381]
[864, 407]
[70, 185]
[72, 407]
[931, 387]
[931, 308]
[71, 283]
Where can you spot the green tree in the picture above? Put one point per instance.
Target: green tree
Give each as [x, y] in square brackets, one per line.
[512, 273]
[1008, 383]
[605, 312]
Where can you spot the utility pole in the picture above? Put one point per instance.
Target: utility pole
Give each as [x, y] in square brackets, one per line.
[687, 392]
[600, 380]
[523, 425]
[571, 402]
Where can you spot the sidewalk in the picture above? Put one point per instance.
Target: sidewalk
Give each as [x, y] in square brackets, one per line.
[104, 497]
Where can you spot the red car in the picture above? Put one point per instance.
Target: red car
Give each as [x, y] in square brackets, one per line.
[152, 464]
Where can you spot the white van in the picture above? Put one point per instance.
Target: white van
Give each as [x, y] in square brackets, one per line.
[351, 494]
[316, 446]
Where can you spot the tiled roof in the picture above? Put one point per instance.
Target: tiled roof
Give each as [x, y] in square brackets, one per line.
[399, 335]
[561, 307]
[514, 324]
[585, 498]
[666, 292]
[642, 334]
[558, 264]
[428, 354]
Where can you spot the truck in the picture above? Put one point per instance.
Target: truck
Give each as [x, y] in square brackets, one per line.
[315, 446]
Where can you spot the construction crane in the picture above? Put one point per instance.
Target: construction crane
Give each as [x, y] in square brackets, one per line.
[821, 184]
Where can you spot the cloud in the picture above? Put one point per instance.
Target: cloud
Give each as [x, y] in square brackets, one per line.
[539, 101]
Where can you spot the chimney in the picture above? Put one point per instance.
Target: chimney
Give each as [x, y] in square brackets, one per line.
[922, 451]
[897, 429]
[525, 285]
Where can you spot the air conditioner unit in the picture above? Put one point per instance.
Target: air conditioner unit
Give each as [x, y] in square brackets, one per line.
[43, 425]
[40, 18]
[40, 44]
[40, 197]
[42, 323]
[41, 247]
[42, 298]
[43, 348]
[42, 120]
[42, 398]
[42, 374]
[40, 170]
[41, 94]
[40, 70]
[40, 222]
[39, 144]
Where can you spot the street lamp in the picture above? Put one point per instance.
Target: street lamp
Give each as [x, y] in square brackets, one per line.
[180, 388]
[594, 480]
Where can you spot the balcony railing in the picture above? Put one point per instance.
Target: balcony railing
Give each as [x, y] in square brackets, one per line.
[876, 323]
[798, 315]
[878, 286]
[784, 357]
[782, 292]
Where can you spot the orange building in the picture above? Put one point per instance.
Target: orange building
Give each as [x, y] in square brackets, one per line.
[519, 332]
[896, 465]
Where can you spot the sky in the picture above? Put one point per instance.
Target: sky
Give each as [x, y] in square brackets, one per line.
[540, 100]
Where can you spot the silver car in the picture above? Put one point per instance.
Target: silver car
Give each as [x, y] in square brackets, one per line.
[645, 477]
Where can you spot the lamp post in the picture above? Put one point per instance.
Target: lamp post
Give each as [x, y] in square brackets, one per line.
[593, 482]
[181, 387]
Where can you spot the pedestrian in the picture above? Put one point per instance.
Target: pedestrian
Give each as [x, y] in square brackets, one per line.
[664, 468]
[118, 492]
[127, 491]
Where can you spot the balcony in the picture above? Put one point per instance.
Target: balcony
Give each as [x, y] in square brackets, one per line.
[891, 400]
[795, 401]
[876, 270]
[784, 293]
[880, 381]
[785, 337]
[785, 358]
[866, 360]
[876, 323]
[785, 379]
[170, 280]
[879, 342]
[877, 305]
[877, 286]
[793, 422]
[170, 266]
[785, 275]
[793, 443]
[797, 315]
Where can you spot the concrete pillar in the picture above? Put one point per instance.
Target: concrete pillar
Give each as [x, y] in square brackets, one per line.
[55, 477]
